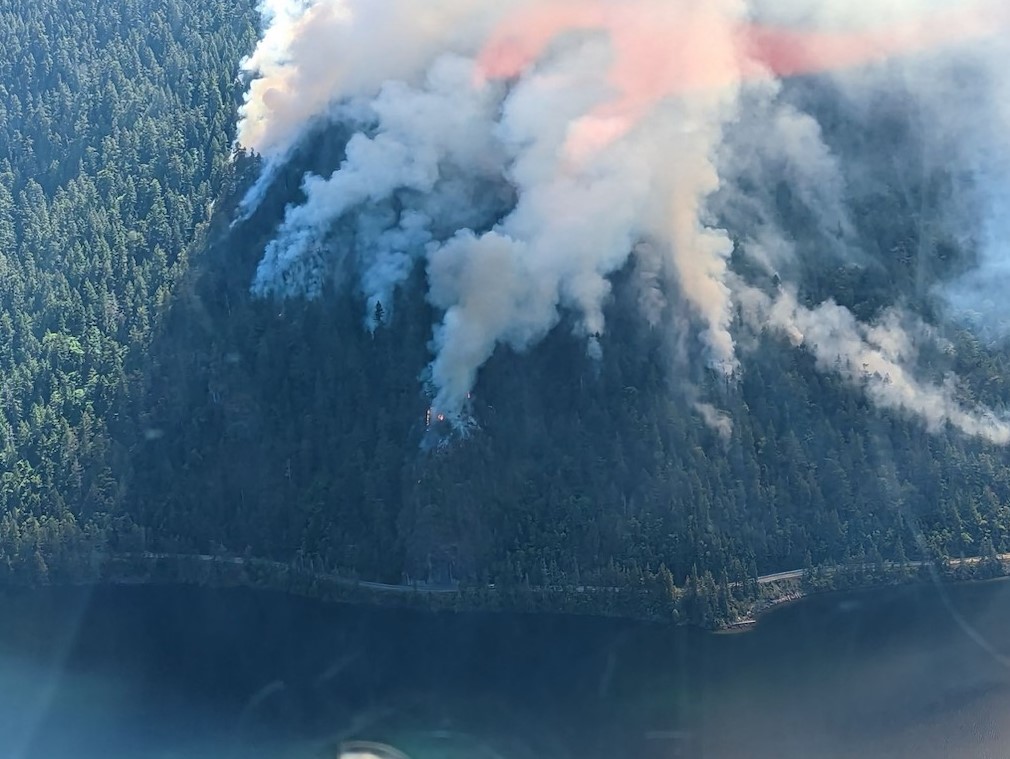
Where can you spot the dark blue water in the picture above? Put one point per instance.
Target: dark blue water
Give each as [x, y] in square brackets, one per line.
[189, 672]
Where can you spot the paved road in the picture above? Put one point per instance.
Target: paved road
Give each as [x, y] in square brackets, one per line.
[791, 574]
[796, 574]
[281, 566]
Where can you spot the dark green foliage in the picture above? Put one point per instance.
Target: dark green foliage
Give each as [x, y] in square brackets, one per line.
[296, 432]
[117, 120]
[142, 385]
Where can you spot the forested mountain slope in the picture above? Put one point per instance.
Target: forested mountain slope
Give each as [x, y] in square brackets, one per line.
[149, 400]
[117, 121]
[577, 470]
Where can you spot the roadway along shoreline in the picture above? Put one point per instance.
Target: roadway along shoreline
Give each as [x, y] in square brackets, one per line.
[790, 574]
[797, 574]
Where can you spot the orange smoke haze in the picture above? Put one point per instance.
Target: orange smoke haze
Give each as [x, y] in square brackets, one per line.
[667, 48]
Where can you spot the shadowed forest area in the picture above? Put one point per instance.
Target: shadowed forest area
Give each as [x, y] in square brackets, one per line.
[149, 402]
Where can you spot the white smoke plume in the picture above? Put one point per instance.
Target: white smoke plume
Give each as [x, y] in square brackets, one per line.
[962, 94]
[873, 357]
[524, 151]
[315, 52]
[715, 419]
[597, 167]
[421, 134]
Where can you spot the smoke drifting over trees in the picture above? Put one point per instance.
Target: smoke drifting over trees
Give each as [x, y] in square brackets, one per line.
[524, 153]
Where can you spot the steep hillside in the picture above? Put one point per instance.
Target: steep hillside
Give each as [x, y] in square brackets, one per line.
[117, 125]
[290, 429]
[167, 384]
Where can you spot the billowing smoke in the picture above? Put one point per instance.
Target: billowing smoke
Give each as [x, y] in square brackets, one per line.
[874, 357]
[524, 151]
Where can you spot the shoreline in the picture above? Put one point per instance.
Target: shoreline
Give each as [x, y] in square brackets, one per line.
[775, 591]
[943, 576]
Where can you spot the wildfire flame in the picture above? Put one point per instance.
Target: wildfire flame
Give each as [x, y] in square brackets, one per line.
[429, 414]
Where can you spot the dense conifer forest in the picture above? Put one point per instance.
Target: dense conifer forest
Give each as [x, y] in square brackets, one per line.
[149, 402]
[117, 121]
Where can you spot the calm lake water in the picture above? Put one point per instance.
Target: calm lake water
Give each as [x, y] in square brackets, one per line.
[186, 672]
